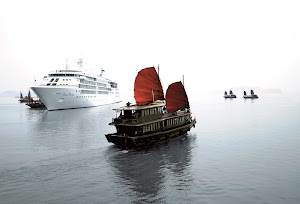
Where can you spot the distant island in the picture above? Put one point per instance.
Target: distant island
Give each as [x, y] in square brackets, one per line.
[11, 94]
[258, 89]
[15, 94]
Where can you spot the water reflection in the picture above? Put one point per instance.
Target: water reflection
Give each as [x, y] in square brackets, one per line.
[146, 175]
[69, 129]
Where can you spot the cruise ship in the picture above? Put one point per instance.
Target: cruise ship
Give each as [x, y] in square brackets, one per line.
[72, 88]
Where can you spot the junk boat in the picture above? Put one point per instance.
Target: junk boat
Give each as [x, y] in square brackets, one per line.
[26, 99]
[151, 120]
[230, 95]
[252, 96]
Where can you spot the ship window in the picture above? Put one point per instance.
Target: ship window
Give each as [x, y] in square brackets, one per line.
[51, 80]
[54, 84]
[56, 80]
[48, 84]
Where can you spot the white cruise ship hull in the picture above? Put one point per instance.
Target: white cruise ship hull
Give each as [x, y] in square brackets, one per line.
[58, 98]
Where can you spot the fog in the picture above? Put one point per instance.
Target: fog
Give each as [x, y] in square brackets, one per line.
[216, 45]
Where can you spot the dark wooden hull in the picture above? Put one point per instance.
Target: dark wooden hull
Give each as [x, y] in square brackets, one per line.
[230, 96]
[150, 139]
[36, 105]
[25, 100]
[250, 96]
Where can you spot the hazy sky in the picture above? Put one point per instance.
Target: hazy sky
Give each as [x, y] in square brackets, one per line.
[215, 44]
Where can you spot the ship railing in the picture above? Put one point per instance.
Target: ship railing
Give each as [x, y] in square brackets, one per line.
[124, 121]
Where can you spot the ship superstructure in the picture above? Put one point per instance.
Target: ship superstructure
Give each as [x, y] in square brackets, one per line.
[72, 88]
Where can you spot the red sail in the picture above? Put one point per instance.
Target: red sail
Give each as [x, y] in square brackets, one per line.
[147, 85]
[176, 98]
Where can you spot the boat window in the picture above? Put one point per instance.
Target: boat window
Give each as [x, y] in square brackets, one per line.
[48, 84]
[54, 84]
[51, 80]
[56, 80]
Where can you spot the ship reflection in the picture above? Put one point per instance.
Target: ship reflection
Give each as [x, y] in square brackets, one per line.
[68, 129]
[146, 175]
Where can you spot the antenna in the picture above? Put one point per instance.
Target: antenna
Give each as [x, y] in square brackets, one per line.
[66, 63]
[183, 80]
[80, 63]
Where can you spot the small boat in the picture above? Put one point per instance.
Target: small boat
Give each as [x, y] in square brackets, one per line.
[230, 95]
[26, 99]
[252, 96]
[151, 120]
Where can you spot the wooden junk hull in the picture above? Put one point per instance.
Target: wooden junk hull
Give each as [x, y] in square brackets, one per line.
[230, 96]
[150, 139]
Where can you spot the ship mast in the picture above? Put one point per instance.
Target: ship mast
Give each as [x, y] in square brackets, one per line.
[80, 63]
[66, 63]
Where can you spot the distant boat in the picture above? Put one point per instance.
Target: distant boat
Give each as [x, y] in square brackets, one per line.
[252, 96]
[230, 95]
[27, 99]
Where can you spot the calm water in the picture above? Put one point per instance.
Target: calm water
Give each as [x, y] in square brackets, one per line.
[240, 152]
